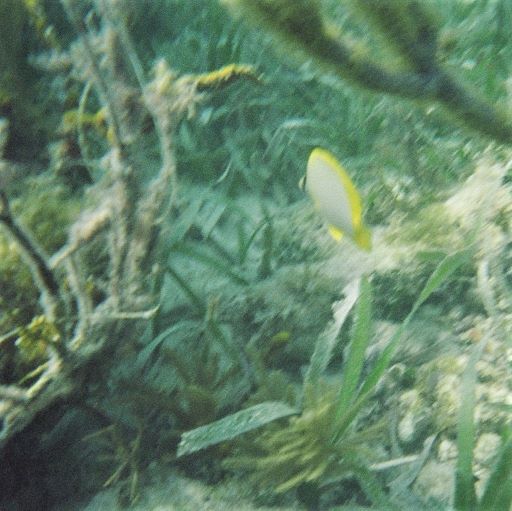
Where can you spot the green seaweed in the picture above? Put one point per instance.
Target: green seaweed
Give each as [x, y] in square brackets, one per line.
[324, 441]
[498, 491]
[465, 496]
[497, 494]
[232, 426]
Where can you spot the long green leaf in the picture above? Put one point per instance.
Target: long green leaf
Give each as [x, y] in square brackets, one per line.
[245, 244]
[232, 426]
[210, 260]
[186, 219]
[145, 354]
[199, 304]
[327, 340]
[360, 338]
[445, 268]
[498, 492]
[465, 496]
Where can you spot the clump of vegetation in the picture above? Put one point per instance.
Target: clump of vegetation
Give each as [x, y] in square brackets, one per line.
[32, 343]
[18, 296]
[25, 31]
[323, 442]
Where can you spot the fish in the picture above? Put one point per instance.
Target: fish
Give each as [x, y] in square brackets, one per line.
[335, 198]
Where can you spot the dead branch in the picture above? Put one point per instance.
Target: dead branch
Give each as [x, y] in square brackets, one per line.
[410, 30]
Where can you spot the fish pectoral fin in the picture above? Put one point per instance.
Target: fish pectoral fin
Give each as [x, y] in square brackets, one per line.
[335, 232]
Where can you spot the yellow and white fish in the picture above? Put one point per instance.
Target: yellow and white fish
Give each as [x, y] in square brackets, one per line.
[335, 197]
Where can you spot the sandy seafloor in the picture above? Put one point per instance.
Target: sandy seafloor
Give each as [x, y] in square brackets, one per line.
[173, 492]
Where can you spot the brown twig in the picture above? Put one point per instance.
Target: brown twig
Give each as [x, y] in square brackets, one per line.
[413, 33]
[34, 257]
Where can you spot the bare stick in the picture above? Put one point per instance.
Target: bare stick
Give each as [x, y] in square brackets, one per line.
[34, 257]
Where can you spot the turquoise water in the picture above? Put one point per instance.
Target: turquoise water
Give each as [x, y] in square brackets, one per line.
[178, 327]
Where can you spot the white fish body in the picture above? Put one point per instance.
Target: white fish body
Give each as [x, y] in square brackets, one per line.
[336, 198]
